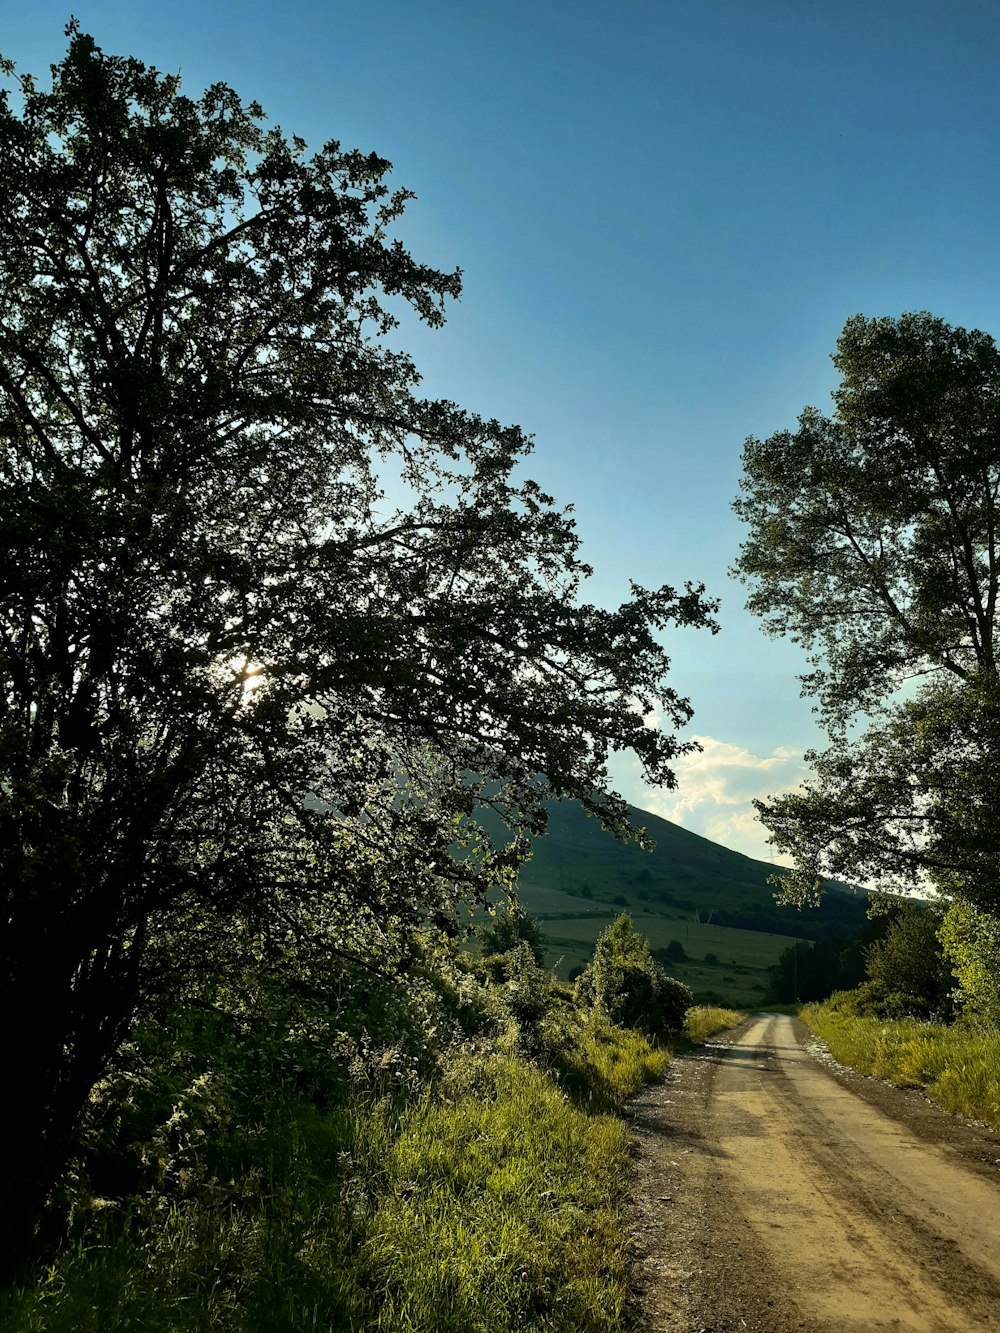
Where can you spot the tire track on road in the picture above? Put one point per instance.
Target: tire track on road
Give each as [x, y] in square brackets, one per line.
[795, 1204]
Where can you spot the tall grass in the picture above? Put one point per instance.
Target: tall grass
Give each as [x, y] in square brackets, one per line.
[958, 1067]
[489, 1200]
[503, 1212]
[597, 1063]
[705, 1021]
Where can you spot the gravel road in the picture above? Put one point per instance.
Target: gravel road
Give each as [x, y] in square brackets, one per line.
[777, 1191]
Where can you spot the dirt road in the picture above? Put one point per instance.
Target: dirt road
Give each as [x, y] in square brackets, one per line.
[777, 1192]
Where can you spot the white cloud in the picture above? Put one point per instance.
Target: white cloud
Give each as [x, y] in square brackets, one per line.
[715, 788]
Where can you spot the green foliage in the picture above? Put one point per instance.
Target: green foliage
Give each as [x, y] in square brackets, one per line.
[598, 1063]
[240, 688]
[894, 967]
[971, 943]
[872, 542]
[958, 1066]
[524, 992]
[676, 952]
[872, 1000]
[908, 961]
[510, 926]
[629, 985]
[808, 971]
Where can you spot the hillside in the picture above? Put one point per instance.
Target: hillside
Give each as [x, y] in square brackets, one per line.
[712, 901]
[685, 871]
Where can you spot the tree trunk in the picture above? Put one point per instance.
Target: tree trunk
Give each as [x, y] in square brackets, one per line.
[69, 1001]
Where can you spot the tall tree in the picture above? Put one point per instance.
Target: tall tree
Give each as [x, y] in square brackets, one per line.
[873, 541]
[263, 608]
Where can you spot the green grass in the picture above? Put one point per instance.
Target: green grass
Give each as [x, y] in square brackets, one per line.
[958, 1067]
[490, 1201]
[705, 1021]
[505, 1214]
[598, 1064]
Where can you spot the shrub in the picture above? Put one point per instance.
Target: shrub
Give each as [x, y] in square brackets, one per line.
[898, 1005]
[511, 926]
[629, 985]
[908, 962]
[869, 1000]
[527, 987]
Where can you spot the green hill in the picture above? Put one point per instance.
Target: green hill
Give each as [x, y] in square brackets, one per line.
[689, 891]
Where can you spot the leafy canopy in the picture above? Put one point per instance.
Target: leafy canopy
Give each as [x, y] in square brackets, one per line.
[263, 606]
[873, 541]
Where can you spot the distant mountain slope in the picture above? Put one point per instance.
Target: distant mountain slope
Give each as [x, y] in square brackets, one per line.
[685, 872]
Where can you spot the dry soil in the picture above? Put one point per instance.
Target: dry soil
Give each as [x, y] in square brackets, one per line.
[778, 1191]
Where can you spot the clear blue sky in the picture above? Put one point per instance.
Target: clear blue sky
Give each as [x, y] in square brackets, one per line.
[664, 212]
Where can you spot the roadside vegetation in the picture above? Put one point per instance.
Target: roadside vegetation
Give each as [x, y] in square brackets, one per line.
[957, 1065]
[925, 1016]
[344, 1151]
[705, 1021]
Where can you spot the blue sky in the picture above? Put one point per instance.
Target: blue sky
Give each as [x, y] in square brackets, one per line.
[664, 213]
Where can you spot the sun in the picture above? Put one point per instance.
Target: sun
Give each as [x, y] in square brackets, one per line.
[246, 673]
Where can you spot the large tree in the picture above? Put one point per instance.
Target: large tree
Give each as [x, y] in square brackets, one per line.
[874, 540]
[263, 608]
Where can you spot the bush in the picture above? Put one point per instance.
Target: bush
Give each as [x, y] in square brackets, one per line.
[908, 963]
[409, 1213]
[511, 926]
[869, 1000]
[897, 1005]
[629, 985]
[527, 987]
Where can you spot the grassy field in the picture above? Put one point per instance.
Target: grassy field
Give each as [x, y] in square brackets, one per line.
[706, 897]
[685, 873]
[498, 1208]
[570, 925]
[739, 977]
